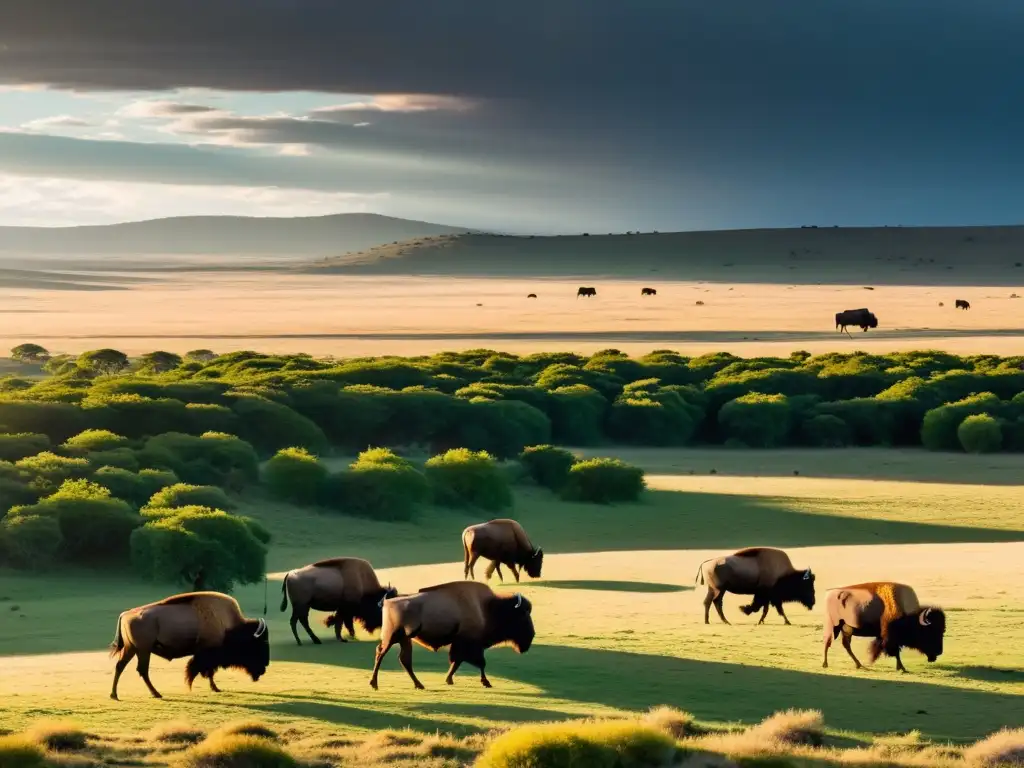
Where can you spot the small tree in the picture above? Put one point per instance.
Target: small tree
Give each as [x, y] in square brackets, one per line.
[602, 481]
[462, 478]
[547, 465]
[200, 355]
[159, 362]
[103, 361]
[296, 475]
[93, 440]
[380, 485]
[980, 433]
[181, 495]
[30, 353]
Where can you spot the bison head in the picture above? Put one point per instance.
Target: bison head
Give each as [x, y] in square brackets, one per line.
[871, 321]
[534, 562]
[371, 608]
[922, 630]
[514, 622]
[796, 587]
[245, 647]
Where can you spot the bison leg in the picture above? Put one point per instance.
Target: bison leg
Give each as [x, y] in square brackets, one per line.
[828, 644]
[708, 599]
[846, 644]
[143, 669]
[515, 571]
[764, 613]
[782, 613]
[350, 627]
[469, 573]
[302, 617]
[405, 659]
[474, 656]
[494, 566]
[899, 662]
[126, 656]
[718, 606]
[213, 685]
[381, 652]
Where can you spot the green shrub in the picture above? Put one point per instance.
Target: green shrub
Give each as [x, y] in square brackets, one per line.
[939, 428]
[647, 413]
[602, 744]
[58, 421]
[464, 478]
[379, 485]
[29, 541]
[93, 440]
[211, 459]
[826, 431]
[270, 426]
[502, 427]
[577, 415]
[46, 471]
[184, 495]
[762, 421]
[15, 447]
[547, 465]
[602, 481]
[13, 492]
[295, 475]
[223, 545]
[980, 433]
[134, 487]
[123, 458]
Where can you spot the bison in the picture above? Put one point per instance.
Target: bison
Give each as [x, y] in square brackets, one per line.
[345, 586]
[963, 304]
[584, 291]
[888, 612]
[466, 616]
[861, 318]
[208, 626]
[503, 542]
[648, 292]
[763, 572]
[531, 295]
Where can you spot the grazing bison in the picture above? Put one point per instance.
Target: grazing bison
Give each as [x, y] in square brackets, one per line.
[531, 295]
[345, 586]
[857, 317]
[763, 572]
[584, 291]
[503, 542]
[208, 626]
[963, 304]
[889, 613]
[648, 292]
[467, 616]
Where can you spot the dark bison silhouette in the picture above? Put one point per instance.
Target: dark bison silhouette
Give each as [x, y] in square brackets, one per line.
[648, 292]
[963, 304]
[584, 291]
[531, 295]
[860, 318]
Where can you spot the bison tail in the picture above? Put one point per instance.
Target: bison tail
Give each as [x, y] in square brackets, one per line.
[699, 578]
[465, 550]
[875, 649]
[117, 647]
[284, 593]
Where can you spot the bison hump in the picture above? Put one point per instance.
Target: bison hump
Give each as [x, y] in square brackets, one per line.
[189, 598]
[751, 552]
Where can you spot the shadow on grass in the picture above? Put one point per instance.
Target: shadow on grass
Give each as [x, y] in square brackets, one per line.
[613, 586]
[715, 691]
[496, 712]
[993, 675]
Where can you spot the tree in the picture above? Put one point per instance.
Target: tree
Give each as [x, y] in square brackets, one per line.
[200, 355]
[159, 362]
[30, 353]
[103, 360]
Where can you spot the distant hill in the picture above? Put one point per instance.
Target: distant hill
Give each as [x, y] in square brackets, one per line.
[840, 255]
[305, 237]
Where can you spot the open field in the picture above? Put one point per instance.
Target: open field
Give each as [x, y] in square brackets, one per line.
[764, 292]
[619, 622]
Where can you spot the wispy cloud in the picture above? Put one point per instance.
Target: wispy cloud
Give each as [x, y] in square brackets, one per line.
[157, 108]
[57, 121]
[402, 102]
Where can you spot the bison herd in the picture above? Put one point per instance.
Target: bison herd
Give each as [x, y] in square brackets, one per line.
[468, 617]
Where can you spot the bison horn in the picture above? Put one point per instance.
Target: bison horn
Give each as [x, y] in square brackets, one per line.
[261, 627]
[807, 574]
[519, 599]
[381, 603]
[536, 551]
[924, 618]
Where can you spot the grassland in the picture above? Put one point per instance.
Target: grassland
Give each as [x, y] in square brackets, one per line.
[619, 623]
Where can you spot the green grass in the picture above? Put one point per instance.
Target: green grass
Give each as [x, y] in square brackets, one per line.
[620, 627]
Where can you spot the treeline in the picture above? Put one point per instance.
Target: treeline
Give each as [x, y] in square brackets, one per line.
[500, 403]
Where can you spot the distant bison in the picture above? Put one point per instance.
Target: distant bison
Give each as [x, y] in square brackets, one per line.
[503, 542]
[345, 586]
[860, 318]
[889, 613]
[584, 291]
[963, 304]
[648, 292]
[208, 626]
[763, 572]
[467, 616]
[531, 295]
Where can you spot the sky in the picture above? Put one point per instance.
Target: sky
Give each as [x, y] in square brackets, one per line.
[536, 116]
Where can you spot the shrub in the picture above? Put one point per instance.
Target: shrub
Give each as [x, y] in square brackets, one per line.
[134, 487]
[48, 470]
[758, 420]
[212, 459]
[826, 431]
[980, 433]
[237, 751]
[647, 413]
[93, 440]
[792, 727]
[224, 546]
[565, 745]
[270, 426]
[15, 447]
[502, 428]
[296, 475]
[246, 728]
[21, 752]
[176, 733]
[674, 722]
[939, 428]
[577, 415]
[30, 353]
[123, 458]
[602, 481]
[464, 478]
[379, 485]
[547, 465]
[103, 361]
[184, 495]
[14, 492]
[58, 421]
[29, 541]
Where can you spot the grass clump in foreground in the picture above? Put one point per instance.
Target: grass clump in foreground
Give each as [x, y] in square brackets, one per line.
[21, 752]
[57, 736]
[237, 751]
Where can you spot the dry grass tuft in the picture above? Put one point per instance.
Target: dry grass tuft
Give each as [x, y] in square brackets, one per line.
[21, 752]
[674, 722]
[177, 733]
[58, 736]
[793, 727]
[246, 728]
[236, 751]
[1003, 748]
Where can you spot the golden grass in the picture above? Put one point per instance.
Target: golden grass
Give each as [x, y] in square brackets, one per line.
[674, 722]
[176, 732]
[236, 751]
[58, 736]
[245, 728]
[21, 752]
[1003, 748]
